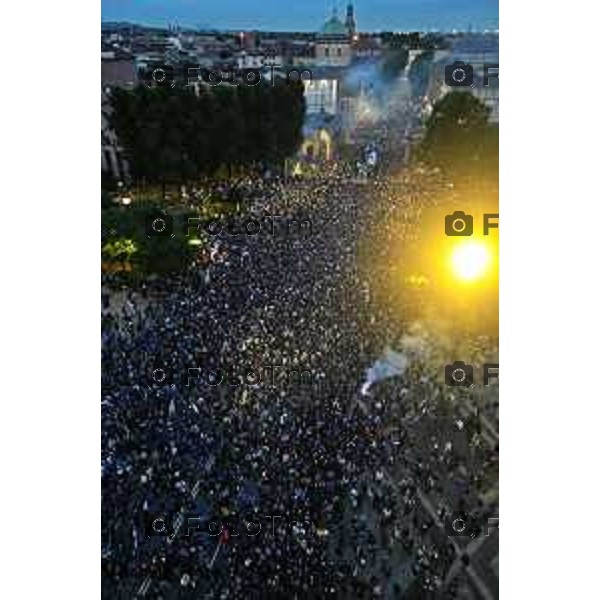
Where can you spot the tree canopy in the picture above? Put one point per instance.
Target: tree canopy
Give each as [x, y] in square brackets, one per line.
[125, 238]
[459, 136]
[172, 134]
[413, 40]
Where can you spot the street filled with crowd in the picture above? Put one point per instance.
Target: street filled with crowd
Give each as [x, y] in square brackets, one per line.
[301, 488]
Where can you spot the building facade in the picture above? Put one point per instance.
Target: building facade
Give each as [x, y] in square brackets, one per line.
[115, 73]
[333, 44]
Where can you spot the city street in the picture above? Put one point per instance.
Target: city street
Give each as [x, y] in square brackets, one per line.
[301, 353]
[301, 301]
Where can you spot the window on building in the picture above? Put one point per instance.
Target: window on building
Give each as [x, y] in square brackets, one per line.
[326, 51]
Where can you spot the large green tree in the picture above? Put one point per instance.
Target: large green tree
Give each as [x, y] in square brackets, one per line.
[172, 134]
[459, 137]
[125, 236]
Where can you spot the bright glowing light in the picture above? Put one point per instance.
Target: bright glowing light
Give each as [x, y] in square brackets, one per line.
[470, 260]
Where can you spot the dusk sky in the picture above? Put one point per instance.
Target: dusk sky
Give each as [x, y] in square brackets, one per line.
[306, 15]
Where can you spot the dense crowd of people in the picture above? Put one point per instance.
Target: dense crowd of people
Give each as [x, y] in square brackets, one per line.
[345, 473]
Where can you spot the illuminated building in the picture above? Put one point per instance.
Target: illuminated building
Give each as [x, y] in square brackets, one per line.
[332, 44]
[317, 144]
[322, 93]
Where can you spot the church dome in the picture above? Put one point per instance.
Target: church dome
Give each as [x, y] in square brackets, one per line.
[333, 26]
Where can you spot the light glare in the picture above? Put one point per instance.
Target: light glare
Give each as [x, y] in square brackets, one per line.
[470, 261]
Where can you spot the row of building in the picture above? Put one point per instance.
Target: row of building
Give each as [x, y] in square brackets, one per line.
[342, 62]
[335, 44]
[128, 50]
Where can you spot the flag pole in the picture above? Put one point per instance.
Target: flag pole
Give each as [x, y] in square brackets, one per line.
[214, 556]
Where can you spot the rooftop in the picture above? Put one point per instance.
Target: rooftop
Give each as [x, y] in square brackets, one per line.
[333, 26]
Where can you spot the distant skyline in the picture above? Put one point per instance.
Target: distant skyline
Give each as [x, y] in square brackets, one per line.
[306, 15]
